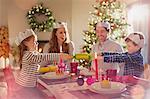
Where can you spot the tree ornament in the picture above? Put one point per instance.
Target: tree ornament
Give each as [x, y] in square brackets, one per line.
[80, 80]
[112, 11]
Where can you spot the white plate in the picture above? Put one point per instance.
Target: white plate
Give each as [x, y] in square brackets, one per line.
[86, 72]
[116, 87]
[53, 75]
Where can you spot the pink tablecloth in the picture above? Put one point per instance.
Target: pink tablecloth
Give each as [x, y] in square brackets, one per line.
[87, 94]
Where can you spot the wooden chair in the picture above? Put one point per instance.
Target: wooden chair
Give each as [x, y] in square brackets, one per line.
[147, 71]
[3, 86]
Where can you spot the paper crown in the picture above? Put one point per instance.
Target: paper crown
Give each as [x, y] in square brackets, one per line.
[23, 35]
[104, 24]
[60, 24]
[137, 37]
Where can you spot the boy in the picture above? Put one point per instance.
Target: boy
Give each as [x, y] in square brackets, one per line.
[133, 59]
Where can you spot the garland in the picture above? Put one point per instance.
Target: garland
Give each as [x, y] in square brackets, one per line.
[4, 42]
[41, 26]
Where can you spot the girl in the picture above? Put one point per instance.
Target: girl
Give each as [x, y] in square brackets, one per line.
[29, 62]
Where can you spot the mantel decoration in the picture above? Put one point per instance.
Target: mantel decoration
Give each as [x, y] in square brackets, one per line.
[4, 47]
[40, 18]
[4, 42]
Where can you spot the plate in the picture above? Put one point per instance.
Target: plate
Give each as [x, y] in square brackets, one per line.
[86, 72]
[116, 87]
[53, 75]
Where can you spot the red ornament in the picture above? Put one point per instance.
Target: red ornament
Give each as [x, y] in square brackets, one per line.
[80, 80]
[90, 80]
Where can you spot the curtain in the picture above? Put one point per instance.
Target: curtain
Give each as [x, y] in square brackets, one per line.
[139, 19]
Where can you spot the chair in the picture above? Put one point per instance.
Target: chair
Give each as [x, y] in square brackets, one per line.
[10, 80]
[3, 86]
[147, 71]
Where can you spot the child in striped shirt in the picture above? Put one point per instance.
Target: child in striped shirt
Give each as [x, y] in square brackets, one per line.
[29, 61]
[133, 59]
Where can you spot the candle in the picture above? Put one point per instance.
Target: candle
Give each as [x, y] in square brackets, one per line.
[40, 50]
[2, 62]
[7, 62]
[96, 66]
[95, 55]
[61, 49]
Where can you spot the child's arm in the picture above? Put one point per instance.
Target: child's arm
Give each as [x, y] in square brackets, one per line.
[36, 57]
[44, 57]
[114, 57]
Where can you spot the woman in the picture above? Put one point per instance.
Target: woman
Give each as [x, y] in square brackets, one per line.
[59, 41]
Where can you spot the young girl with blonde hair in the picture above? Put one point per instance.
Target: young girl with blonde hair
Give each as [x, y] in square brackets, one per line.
[30, 60]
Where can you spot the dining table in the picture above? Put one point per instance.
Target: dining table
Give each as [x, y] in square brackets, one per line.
[68, 88]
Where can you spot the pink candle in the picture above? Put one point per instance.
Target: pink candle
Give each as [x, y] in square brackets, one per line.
[96, 66]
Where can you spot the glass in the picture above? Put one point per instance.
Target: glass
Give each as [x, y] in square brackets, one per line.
[111, 74]
[74, 66]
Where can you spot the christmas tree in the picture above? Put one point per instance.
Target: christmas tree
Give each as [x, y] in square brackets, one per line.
[106, 10]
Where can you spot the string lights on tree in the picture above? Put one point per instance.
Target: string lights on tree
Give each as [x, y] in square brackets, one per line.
[106, 10]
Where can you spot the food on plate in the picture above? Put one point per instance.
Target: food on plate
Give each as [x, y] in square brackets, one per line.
[53, 68]
[53, 75]
[105, 84]
[59, 72]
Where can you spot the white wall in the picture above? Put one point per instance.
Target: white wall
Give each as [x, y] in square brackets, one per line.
[16, 17]
[0, 11]
[80, 15]
[3, 13]
[74, 12]
[17, 14]
[62, 10]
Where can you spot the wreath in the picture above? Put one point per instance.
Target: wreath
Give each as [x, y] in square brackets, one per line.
[40, 18]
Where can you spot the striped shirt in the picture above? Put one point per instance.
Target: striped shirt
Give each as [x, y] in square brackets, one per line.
[30, 66]
[133, 62]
